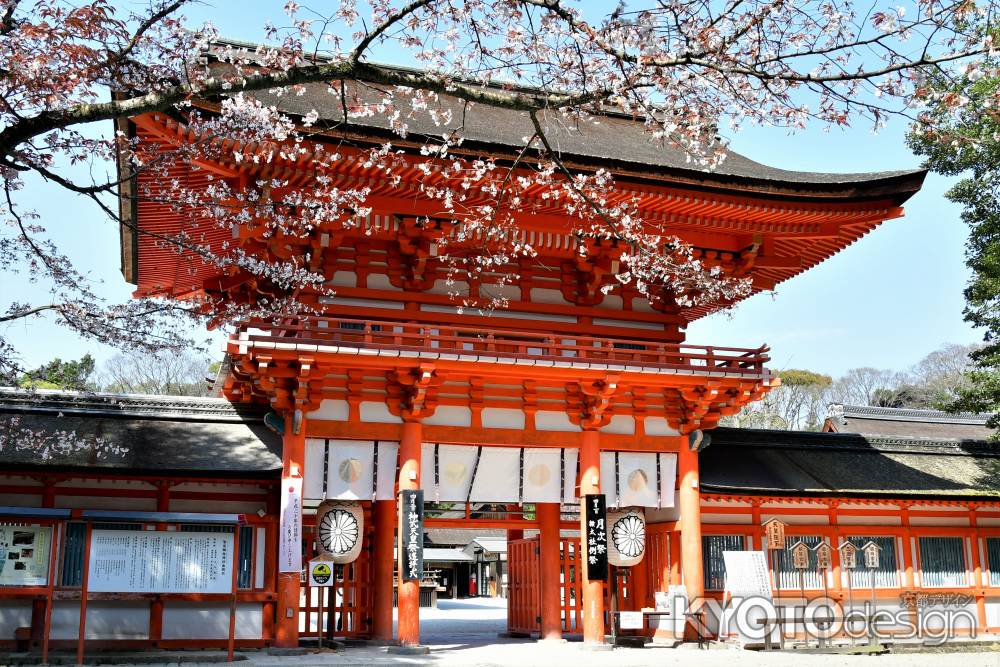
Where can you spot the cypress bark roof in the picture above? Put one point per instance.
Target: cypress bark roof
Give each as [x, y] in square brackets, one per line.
[613, 140]
[907, 422]
[161, 434]
[759, 461]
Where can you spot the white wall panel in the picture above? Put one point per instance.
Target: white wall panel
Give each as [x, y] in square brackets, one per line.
[14, 614]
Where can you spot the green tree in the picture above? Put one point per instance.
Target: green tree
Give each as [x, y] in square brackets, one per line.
[965, 141]
[59, 374]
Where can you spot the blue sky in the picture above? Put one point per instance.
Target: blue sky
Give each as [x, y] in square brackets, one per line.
[886, 301]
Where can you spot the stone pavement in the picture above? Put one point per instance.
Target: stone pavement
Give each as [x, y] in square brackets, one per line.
[465, 633]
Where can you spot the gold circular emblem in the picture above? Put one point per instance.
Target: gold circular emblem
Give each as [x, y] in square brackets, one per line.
[350, 470]
[454, 473]
[638, 481]
[539, 475]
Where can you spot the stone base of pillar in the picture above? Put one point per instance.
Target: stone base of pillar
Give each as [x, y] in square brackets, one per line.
[408, 650]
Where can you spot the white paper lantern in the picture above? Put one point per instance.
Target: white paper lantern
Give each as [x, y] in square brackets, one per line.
[627, 541]
[340, 529]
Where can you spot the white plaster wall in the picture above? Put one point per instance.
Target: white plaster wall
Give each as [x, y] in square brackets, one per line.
[549, 296]
[381, 281]
[344, 279]
[331, 410]
[641, 305]
[868, 520]
[95, 503]
[456, 287]
[14, 614]
[105, 484]
[378, 413]
[939, 521]
[450, 415]
[993, 612]
[627, 324]
[20, 500]
[620, 424]
[514, 314]
[551, 420]
[375, 304]
[210, 620]
[494, 290]
[502, 418]
[611, 302]
[105, 620]
[798, 519]
[658, 426]
[726, 518]
[220, 506]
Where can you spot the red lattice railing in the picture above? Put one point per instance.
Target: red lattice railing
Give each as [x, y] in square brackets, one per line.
[409, 339]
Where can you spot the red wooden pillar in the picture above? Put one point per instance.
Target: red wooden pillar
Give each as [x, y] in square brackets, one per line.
[39, 608]
[593, 591]
[513, 534]
[977, 572]
[385, 525]
[548, 539]
[409, 480]
[638, 583]
[156, 604]
[689, 497]
[286, 629]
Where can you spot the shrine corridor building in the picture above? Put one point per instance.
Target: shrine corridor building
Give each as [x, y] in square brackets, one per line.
[503, 420]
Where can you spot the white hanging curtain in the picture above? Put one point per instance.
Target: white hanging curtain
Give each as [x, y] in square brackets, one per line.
[608, 479]
[668, 479]
[570, 489]
[454, 472]
[497, 476]
[637, 480]
[350, 469]
[541, 479]
[502, 474]
[388, 453]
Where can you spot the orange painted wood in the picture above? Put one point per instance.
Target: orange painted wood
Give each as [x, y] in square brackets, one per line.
[689, 502]
[287, 623]
[525, 588]
[408, 602]
[385, 526]
[592, 591]
[550, 627]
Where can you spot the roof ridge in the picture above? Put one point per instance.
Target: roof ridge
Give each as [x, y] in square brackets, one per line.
[914, 414]
[16, 399]
[805, 440]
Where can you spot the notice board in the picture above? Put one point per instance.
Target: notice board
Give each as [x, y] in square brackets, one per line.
[24, 555]
[147, 561]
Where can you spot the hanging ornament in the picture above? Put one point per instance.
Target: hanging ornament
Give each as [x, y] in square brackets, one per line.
[628, 536]
[339, 527]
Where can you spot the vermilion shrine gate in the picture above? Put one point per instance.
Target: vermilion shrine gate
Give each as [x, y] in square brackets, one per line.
[566, 391]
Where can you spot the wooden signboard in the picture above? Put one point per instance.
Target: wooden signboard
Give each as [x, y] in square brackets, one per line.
[823, 556]
[411, 535]
[871, 551]
[774, 532]
[596, 533]
[848, 556]
[800, 555]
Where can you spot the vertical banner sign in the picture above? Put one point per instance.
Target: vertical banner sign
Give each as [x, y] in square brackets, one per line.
[595, 515]
[411, 535]
[290, 535]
